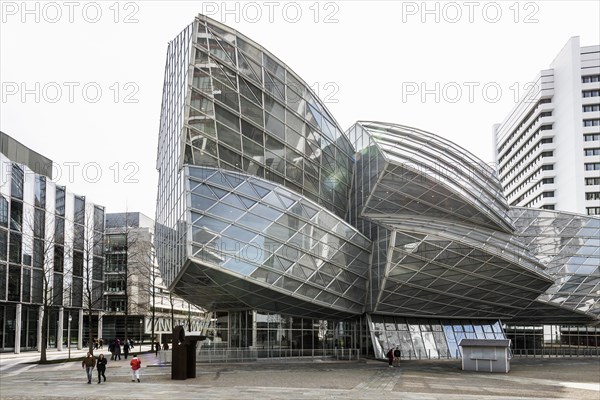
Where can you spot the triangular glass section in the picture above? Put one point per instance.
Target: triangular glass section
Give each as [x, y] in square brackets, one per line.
[234, 179]
[309, 211]
[204, 191]
[247, 202]
[286, 201]
[273, 200]
[218, 179]
[249, 68]
[247, 189]
[220, 193]
[307, 271]
[286, 264]
[233, 200]
[262, 192]
[201, 173]
[274, 262]
[297, 271]
[317, 279]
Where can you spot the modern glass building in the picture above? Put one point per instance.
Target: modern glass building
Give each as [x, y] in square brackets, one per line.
[302, 237]
[50, 254]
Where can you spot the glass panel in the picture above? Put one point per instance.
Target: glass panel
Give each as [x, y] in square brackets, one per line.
[40, 191]
[227, 118]
[229, 136]
[274, 126]
[16, 187]
[452, 344]
[430, 347]
[3, 212]
[252, 132]
[251, 111]
[415, 334]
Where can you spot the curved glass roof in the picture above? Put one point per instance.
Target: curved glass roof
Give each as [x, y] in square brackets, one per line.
[430, 176]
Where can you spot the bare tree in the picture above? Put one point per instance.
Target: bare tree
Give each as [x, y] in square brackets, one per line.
[127, 242]
[88, 260]
[45, 233]
[144, 271]
[147, 268]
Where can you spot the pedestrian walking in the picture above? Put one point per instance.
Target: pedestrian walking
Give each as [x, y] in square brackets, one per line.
[390, 356]
[125, 349]
[136, 365]
[101, 367]
[397, 355]
[88, 363]
[117, 349]
[111, 349]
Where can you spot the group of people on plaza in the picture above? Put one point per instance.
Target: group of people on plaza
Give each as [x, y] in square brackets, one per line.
[90, 362]
[98, 343]
[394, 355]
[115, 348]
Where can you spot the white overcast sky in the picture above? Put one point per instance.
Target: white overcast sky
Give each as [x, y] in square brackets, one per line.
[363, 58]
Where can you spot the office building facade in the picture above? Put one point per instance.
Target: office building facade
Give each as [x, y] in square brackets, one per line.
[547, 150]
[304, 238]
[50, 254]
[133, 285]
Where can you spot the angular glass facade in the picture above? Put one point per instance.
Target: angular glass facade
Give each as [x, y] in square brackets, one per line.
[392, 233]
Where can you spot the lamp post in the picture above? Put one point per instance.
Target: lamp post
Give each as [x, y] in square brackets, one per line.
[141, 322]
[69, 334]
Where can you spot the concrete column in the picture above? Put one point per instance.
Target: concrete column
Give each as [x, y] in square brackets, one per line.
[100, 315]
[18, 328]
[39, 329]
[253, 328]
[80, 331]
[59, 329]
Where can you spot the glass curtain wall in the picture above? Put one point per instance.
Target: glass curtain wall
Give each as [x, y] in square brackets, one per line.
[428, 338]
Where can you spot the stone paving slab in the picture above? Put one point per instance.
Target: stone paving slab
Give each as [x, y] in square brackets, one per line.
[560, 378]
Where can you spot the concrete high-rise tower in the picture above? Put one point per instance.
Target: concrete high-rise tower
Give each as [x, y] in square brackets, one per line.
[547, 149]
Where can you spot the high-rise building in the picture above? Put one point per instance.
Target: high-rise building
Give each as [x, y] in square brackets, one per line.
[547, 150]
[50, 254]
[304, 239]
[134, 293]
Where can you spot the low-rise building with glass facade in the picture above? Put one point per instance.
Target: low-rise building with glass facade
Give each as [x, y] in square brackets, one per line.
[304, 238]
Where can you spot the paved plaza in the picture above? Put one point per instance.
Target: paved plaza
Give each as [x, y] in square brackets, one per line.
[530, 378]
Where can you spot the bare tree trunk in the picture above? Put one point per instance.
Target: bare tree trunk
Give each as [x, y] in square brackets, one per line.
[90, 333]
[44, 341]
[153, 302]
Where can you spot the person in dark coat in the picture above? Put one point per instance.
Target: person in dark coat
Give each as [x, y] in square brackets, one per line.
[117, 349]
[390, 356]
[88, 363]
[397, 355]
[101, 367]
[125, 349]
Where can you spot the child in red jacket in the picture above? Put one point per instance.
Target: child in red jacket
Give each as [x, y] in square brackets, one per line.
[136, 365]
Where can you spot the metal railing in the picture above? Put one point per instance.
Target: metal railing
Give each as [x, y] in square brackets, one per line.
[224, 355]
[557, 352]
